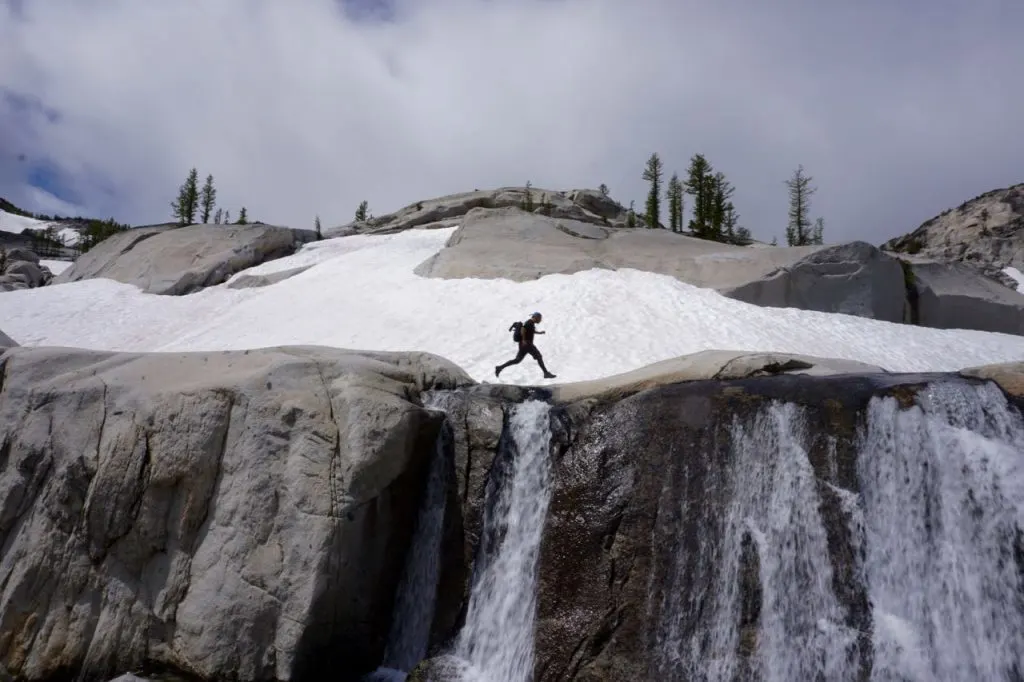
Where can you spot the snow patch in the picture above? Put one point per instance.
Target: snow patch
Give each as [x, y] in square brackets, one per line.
[361, 293]
[1017, 277]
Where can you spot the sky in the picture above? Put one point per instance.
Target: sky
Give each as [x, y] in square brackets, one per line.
[897, 110]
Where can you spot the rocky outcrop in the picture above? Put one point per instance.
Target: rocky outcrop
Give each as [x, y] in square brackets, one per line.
[958, 296]
[584, 205]
[233, 515]
[854, 278]
[20, 269]
[986, 233]
[178, 261]
[246, 281]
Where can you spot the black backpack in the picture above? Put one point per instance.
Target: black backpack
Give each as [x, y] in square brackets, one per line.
[517, 331]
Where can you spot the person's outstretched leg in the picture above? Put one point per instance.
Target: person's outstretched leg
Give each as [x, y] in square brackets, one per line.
[532, 350]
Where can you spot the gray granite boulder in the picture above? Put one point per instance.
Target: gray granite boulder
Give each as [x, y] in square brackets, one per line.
[183, 260]
[234, 515]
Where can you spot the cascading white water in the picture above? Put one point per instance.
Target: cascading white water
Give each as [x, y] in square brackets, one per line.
[943, 501]
[497, 638]
[938, 520]
[774, 501]
[413, 611]
[417, 592]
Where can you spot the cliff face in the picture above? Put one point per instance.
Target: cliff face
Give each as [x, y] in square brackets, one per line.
[228, 515]
[285, 514]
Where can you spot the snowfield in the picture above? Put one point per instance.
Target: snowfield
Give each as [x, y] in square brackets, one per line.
[10, 222]
[361, 293]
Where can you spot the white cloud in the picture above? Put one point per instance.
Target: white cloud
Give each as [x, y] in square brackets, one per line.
[297, 110]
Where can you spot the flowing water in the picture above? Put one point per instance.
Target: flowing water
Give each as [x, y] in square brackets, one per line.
[416, 596]
[943, 503]
[497, 638]
[935, 529]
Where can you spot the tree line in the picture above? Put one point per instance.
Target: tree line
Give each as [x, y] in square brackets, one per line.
[713, 213]
[192, 199]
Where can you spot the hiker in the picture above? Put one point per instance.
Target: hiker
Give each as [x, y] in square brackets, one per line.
[523, 332]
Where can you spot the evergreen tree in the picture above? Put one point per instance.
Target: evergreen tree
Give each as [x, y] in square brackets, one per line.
[698, 183]
[603, 189]
[243, 218]
[674, 194]
[227, 217]
[720, 192]
[798, 231]
[631, 216]
[362, 211]
[316, 226]
[527, 203]
[208, 199]
[652, 174]
[818, 231]
[729, 224]
[217, 216]
[188, 199]
[743, 236]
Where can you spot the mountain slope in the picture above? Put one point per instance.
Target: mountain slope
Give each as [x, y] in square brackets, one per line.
[986, 232]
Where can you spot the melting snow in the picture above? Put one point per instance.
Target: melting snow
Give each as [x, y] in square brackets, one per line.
[361, 293]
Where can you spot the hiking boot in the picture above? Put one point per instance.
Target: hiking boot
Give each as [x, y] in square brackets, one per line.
[549, 375]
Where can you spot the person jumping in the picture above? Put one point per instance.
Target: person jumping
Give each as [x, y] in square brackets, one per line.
[525, 332]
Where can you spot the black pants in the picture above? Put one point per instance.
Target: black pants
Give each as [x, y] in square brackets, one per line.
[524, 350]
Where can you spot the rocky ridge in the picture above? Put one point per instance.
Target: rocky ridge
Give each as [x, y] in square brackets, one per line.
[985, 233]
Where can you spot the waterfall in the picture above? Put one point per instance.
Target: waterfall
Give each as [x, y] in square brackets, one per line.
[497, 638]
[935, 537]
[773, 506]
[413, 611]
[943, 513]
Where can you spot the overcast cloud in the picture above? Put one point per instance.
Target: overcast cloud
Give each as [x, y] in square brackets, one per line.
[897, 109]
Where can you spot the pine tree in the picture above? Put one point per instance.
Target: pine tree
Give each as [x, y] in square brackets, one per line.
[699, 185]
[316, 226]
[227, 217]
[208, 199]
[361, 212]
[527, 203]
[720, 192]
[217, 216]
[730, 231]
[631, 215]
[603, 189]
[652, 174]
[188, 199]
[818, 231]
[800, 191]
[674, 194]
[243, 218]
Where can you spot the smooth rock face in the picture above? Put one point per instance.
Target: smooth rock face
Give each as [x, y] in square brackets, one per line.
[179, 261]
[986, 233]
[957, 296]
[6, 341]
[234, 515]
[854, 278]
